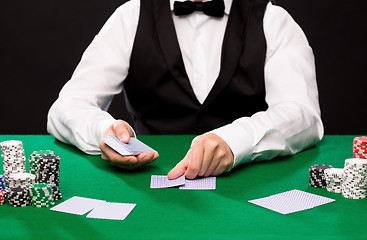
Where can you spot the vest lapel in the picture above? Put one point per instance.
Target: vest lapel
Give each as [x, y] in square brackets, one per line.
[233, 41]
[169, 44]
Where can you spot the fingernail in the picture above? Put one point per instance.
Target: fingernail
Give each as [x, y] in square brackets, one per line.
[124, 137]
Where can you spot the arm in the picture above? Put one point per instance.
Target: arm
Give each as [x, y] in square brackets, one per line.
[290, 124]
[292, 121]
[79, 115]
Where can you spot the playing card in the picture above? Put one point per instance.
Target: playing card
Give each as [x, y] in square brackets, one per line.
[112, 211]
[77, 205]
[133, 147]
[162, 181]
[291, 201]
[208, 183]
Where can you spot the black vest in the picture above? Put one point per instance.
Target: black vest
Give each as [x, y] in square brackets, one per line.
[158, 93]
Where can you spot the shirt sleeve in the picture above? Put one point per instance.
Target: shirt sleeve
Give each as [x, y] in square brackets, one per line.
[79, 115]
[292, 121]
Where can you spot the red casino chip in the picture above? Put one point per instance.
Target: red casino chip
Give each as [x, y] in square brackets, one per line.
[360, 147]
[2, 197]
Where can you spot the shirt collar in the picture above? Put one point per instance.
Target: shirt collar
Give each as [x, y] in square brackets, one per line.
[227, 5]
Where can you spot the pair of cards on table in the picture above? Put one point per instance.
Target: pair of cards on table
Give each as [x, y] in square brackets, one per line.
[97, 208]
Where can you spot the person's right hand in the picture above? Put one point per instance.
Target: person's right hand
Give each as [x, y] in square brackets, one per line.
[123, 131]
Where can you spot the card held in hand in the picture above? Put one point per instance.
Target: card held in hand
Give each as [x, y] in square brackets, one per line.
[133, 147]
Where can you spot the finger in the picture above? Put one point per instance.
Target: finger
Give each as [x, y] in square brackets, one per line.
[214, 165]
[104, 150]
[180, 168]
[116, 159]
[104, 156]
[126, 162]
[195, 162]
[155, 157]
[208, 160]
[146, 157]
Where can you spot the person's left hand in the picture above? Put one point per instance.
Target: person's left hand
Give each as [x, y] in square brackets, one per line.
[209, 155]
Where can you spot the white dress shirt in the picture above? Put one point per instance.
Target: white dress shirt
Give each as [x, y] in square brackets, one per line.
[291, 123]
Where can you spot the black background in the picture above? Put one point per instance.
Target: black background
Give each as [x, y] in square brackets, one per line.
[42, 42]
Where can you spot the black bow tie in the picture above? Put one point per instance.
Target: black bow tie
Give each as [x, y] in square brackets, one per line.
[214, 8]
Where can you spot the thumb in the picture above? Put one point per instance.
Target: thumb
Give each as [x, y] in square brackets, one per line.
[180, 168]
[120, 130]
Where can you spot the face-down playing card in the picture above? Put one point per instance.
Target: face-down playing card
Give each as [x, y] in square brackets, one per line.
[112, 211]
[77, 205]
[291, 201]
[208, 183]
[162, 181]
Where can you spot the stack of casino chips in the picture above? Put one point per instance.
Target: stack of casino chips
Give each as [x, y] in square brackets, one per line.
[360, 147]
[334, 179]
[317, 177]
[18, 194]
[41, 195]
[18, 197]
[33, 158]
[13, 157]
[44, 169]
[355, 178]
[49, 172]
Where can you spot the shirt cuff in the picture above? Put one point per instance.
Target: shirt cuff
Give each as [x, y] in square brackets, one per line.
[240, 143]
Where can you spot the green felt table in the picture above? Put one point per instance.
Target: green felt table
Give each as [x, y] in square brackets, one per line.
[171, 213]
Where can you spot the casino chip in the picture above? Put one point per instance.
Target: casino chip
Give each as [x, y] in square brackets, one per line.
[33, 158]
[360, 147]
[49, 172]
[317, 178]
[334, 179]
[355, 178]
[41, 195]
[2, 197]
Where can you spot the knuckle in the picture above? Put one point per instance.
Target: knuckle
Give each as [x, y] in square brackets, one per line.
[206, 143]
[201, 173]
[227, 165]
[199, 140]
[194, 168]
